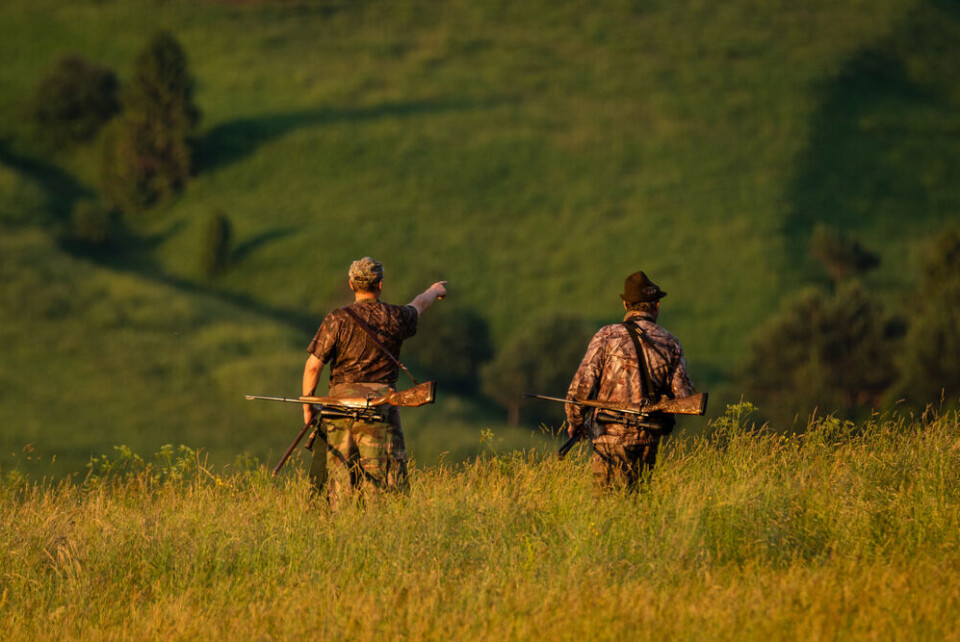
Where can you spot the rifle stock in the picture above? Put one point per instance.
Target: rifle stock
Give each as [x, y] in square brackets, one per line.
[413, 397]
[691, 405]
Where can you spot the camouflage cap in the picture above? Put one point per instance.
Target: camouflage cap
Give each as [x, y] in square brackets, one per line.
[365, 272]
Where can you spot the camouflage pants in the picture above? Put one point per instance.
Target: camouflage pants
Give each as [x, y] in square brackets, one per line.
[361, 458]
[618, 465]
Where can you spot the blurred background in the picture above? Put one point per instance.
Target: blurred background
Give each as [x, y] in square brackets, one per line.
[183, 185]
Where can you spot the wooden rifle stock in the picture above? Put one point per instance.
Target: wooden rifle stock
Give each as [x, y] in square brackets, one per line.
[356, 407]
[691, 405]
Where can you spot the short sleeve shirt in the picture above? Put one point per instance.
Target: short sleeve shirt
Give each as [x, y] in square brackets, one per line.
[353, 356]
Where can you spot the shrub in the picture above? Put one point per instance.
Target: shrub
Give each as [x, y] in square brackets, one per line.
[458, 346]
[832, 352]
[930, 362]
[216, 249]
[540, 358]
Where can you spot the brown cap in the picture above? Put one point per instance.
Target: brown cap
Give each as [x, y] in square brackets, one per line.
[365, 272]
[637, 288]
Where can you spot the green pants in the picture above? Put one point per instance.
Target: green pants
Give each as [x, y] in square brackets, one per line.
[360, 458]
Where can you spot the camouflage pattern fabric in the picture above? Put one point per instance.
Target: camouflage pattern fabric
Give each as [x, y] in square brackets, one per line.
[622, 466]
[610, 371]
[352, 354]
[359, 458]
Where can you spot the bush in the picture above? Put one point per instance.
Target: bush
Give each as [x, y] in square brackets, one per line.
[73, 101]
[146, 156]
[216, 249]
[540, 358]
[832, 352]
[930, 365]
[457, 345]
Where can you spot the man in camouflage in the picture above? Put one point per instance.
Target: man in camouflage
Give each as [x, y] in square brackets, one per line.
[636, 362]
[362, 455]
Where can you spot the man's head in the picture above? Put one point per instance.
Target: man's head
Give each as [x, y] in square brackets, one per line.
[366, 275]
[642, 294]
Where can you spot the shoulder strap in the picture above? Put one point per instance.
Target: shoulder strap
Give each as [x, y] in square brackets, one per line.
[645, 378]
[366, 328]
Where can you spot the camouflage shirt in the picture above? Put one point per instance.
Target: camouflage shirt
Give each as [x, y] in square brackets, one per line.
[610, 372]
[353, 356]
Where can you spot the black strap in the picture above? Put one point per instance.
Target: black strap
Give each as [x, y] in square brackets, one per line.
[366, 328]
[645, 377]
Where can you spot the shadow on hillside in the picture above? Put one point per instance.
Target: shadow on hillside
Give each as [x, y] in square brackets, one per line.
[885, 143]
[248, 247]
[61, 191]
[233, 141]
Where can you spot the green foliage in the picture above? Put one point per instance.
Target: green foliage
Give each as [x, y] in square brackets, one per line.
[540, 357]
[930, 361]
[146, 155]
[74, 99]
[841, 256]
[832, 352]
[455, 343]
[216, 249]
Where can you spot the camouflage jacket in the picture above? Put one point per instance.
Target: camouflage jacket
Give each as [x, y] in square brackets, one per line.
[353, 356]
[610, 372]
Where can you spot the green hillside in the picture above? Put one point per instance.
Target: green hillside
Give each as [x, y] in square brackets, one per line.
[531, 153]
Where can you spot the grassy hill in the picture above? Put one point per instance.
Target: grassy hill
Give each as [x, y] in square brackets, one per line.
[531, 153]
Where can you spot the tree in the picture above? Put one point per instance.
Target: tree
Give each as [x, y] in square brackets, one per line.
[541, 357]
[458, 345]
[827, 352]
[930, 361]
[73, 101]
[841, 256]
[146, 154]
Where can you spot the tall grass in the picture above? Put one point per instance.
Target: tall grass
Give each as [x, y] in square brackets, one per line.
[849, 531]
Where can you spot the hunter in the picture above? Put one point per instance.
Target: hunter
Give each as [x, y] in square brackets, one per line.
[362, 455]
[638, 362]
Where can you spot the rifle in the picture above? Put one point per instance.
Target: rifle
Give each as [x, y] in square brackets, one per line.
[631, 414]
[358, 408]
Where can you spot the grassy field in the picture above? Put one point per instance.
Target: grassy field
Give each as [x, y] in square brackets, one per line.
[851, 531]
[532, 153]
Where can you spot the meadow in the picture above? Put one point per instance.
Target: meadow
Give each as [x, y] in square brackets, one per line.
[532, 153]
[849, 531]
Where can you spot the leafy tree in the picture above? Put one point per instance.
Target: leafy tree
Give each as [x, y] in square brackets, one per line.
[216, 249]
[458, 346]
[840, 255]
[146, 154]
[930, 362]
[541, 357]
[73, 101]
[828, 352]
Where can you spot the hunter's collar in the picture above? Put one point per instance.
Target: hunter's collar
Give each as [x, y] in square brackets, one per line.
[635, 315]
